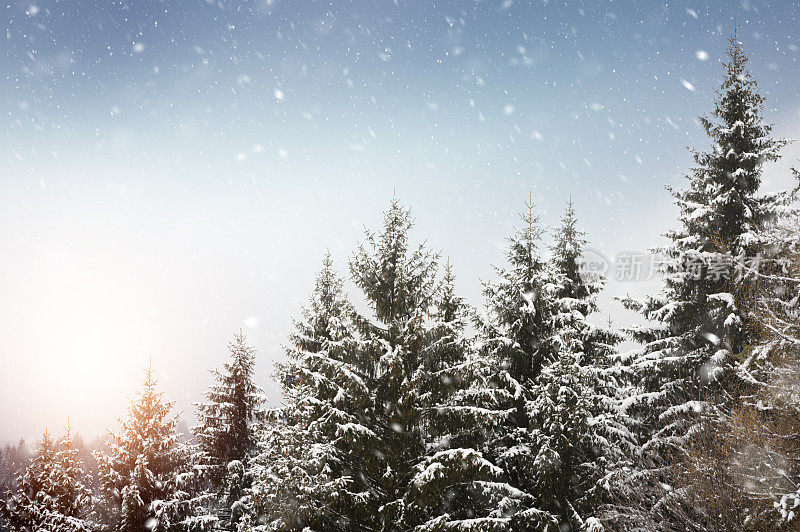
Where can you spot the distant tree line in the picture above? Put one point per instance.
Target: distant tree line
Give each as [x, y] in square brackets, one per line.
[423, 413]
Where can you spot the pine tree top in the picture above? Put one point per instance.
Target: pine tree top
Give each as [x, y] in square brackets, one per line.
[449, 303]
[45, 442]
[523, 249]
[396, 278]
[567, 249]
[721, 203]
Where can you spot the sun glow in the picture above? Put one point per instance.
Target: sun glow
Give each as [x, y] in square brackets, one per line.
[93, 334]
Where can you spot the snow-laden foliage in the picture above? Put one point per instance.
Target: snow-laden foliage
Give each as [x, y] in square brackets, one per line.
[226, 427]
[227, 417]
[693, 358]
[306, 473]
[52, 493]
[453, 485]
[697, 361]
[414, 342]
[376, 400]
[551, 389]
[149, 478]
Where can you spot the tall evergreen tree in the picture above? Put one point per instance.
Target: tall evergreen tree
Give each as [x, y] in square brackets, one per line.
[73, 496]
[518, 342]
[35, 498]
[14, 459]
[578, 434]
[308, 472]
[148, 478]
[575, 295]
[227, 418]
[553, 385]
[454, 486]
[691, 367]
[398, 282]
[226, 426]
[689, 358]
[370, 425]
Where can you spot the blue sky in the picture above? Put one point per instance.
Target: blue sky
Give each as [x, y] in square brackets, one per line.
[173, 171]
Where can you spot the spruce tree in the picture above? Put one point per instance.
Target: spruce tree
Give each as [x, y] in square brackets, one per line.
[454, 486]
[226, 428]
[518, 341]
[14, 458]
[226, 419]
[430, 476]
[309, 470]
[72, 494]
[148, 479]
[575, 295]
[31, 505]
[52, 495]
[518, 331]
[696, 360]
[571, 445]
[398, 282]
[556, 430]
[577, 434]
[369, 431]
[446, 371]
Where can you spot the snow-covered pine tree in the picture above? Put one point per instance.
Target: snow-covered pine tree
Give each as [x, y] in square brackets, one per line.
[578, 434]
[362, 441]
[227, 417]
[399, 284]
[226, 426]
[553, 381]
[375, 380]
[576, 294]
[572, 445]
[72, 494]
[689, 357]
[454, 486]
[52, 495]
[148, 479]
[444, 367]
[694, 360]
[14, 458]
[518, 341]
[28, 508]
[308, 472]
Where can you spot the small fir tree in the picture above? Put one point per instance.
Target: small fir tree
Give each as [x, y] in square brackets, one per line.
[148, 479]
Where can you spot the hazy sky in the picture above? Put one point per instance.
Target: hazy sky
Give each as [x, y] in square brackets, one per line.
[173, 171]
